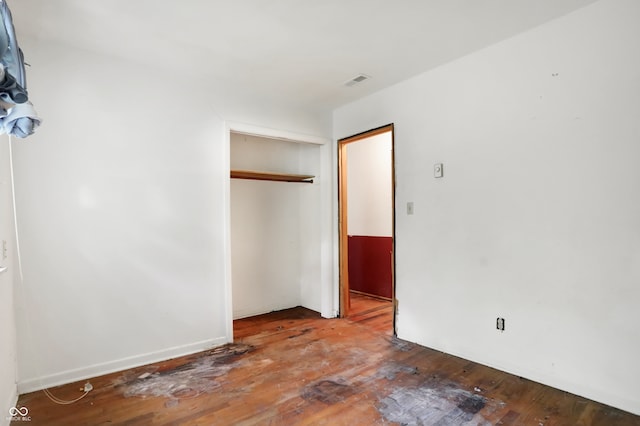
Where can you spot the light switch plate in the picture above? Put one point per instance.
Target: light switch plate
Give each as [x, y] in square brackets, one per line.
[438, 170]
[410, 207]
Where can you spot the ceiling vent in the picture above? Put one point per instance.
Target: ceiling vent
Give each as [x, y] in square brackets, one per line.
[357, 80]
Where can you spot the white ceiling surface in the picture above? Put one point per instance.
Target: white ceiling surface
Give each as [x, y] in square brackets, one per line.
[287, 52]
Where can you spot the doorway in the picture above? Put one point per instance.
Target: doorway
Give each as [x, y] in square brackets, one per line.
[366, 194]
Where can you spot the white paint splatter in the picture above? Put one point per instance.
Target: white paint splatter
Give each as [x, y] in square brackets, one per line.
[189, 380]
[425, 405]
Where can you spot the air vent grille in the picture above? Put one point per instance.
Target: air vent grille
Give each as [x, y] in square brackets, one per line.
[357, 80]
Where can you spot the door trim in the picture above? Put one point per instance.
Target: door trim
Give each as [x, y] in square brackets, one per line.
[228, 127]
[343, 268]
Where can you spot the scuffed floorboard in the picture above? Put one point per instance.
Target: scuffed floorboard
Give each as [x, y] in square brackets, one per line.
[295, 368]
[436, 404]
[192, 379]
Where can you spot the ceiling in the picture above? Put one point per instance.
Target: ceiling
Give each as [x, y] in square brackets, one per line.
[294, 52]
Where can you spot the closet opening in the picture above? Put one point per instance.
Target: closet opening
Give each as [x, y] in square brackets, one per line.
[366, 193]
[274, 233]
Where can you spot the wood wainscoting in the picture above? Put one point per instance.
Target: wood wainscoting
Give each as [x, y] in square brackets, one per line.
[370, 265]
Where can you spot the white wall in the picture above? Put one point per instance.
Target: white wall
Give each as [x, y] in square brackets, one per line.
[8, 390]
[314, 212]
[369, 187]
[275, 237]
[123, 204]
[537, 217]
[120, 200]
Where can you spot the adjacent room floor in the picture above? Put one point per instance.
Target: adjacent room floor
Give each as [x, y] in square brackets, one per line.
[294, 368]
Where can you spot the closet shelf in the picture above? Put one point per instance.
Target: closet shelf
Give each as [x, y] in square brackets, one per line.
[277, 177]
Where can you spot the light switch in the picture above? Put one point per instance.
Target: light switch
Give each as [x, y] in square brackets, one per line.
[410, 207]
[438, 170]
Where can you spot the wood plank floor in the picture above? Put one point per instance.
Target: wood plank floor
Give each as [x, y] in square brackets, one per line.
[371, 312]
[294, 368]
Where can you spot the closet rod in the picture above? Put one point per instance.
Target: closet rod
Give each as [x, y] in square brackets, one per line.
[276, 177]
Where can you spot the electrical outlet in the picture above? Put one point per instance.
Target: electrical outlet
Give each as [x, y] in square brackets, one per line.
[500, 324]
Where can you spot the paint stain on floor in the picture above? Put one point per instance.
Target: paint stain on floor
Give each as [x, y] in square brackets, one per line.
[433, 405]
[327, 391]
[389, 371]
[300, 333]
[402, 345]
[196, 377]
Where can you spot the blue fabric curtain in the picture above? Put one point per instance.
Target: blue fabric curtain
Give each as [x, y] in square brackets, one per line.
[17, 115]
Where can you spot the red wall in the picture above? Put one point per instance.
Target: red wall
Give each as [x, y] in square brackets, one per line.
[370, 265]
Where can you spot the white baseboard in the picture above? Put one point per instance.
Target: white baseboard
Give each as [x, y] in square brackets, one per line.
[626, 402]
[70, 376]
[253, 311]
[5, 419]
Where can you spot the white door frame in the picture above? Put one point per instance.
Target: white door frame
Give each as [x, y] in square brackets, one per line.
[327, 281]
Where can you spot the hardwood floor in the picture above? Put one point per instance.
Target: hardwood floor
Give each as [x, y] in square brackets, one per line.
[294, 368]
[376, 314]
